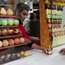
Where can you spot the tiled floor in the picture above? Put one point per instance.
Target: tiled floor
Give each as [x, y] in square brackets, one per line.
[37, 58]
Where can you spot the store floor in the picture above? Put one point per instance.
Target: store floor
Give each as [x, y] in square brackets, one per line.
[37, 58]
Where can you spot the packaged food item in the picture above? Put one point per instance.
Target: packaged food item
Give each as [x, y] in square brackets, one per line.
[16, 41]
[10, 12]
[5, 43]
[3, 11]
[11, 42]
[1, 44]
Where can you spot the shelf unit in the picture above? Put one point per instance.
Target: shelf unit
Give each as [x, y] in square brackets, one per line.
[11, 36]
[51, 28]
[9, 50]
[1, 16]
[13, 46]
[8, 27]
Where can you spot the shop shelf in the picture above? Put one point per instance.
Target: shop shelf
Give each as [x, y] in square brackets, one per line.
[10, 36]
[5, 27]
[12, 46]
[6, 16]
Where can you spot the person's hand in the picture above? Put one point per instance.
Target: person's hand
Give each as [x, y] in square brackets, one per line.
[27, 41]
[34, 38]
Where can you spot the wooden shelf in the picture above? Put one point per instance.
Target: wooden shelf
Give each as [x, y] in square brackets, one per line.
[10, 36]
[56, 3]
[21, 44]
[6, 16]
[5, 27]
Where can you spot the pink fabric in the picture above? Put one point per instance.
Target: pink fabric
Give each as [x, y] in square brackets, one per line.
[22, 31]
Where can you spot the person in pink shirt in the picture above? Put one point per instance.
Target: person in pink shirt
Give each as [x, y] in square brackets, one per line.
[21, 13]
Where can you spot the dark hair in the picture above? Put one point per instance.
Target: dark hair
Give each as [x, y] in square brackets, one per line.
[31, 16]
[35, 14]
[21, 6]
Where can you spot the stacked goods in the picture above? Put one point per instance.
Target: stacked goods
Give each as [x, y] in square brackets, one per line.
[10, 42]
[8, 31]
[9, 22]
[8, 12]
[10, 36]
[54, 12]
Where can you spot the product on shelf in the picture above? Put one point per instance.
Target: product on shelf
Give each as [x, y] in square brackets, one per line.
[22, 40]
[10, 22]
[10, 31]
[11, 42]
[5, 43]
[16, 31]
[16, 22]
[22, 53]
[1, 43]
[4, 22]
[10, 12]
[17, 41]
[8, 56]
[3, 11]
[13, 56]
[27, 53]
[18, 55]
[2, 57]
[4, 32]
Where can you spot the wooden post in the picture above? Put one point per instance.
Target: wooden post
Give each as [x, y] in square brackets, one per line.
[44, 32]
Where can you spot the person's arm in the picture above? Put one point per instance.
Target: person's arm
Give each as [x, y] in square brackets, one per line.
[23, 32]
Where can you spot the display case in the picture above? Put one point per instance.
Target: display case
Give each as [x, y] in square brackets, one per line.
[52, 23]
[11, 40]
[54, 12]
